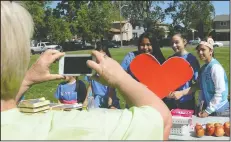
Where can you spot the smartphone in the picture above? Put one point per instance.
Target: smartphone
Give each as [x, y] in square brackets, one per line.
[75, 65]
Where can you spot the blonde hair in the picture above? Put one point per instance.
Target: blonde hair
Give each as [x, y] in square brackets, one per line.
[16, 31]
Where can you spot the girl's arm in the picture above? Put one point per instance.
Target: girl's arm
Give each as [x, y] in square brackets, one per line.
[111, 92]
[89, 89]
[178, 94]
[57, 93]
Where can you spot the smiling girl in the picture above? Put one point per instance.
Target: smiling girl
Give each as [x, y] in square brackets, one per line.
[179, 43]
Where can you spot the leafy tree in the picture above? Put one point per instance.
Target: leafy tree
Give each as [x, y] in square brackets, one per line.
[68, 10]
[36, 9]
[193, 14]
[94, 20]
[57, 28]
[101, 18]
[146, 13]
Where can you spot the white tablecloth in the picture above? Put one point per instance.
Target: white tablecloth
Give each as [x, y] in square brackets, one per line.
[206, 120]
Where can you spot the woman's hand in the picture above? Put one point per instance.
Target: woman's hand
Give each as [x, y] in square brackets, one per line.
[109, 71]
[39, 71]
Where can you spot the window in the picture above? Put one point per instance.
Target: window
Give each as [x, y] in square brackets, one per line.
[134, 35]
[42, 44]
[47, 43]
[223, 23]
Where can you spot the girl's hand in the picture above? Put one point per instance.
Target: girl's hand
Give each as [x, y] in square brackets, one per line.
[203, 114]
[176, 95]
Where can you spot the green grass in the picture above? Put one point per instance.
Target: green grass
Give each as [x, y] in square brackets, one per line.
[47, 89]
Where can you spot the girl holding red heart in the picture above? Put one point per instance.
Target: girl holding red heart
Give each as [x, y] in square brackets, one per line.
[147, 43]
[187, 101]
[212, 82]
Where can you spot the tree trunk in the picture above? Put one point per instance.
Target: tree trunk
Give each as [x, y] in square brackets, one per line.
[101, 39]
[201, 30]
[83, 41]
[95, 43]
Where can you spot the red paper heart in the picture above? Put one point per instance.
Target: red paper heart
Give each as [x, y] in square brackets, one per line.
[161, 79]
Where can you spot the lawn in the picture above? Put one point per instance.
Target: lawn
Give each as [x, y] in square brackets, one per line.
[47, 89]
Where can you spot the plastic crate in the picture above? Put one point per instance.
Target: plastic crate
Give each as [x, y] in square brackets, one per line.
[182, 121]
[183, 131]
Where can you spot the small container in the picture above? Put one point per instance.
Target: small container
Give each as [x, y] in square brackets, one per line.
[91, 102]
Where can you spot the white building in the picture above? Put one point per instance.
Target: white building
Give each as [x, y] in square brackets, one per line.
[126, 29]
[137, 31]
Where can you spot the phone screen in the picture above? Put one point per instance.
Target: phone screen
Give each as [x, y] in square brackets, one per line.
[76, 65]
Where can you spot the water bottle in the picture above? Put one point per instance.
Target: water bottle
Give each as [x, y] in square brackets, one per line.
[91, 102]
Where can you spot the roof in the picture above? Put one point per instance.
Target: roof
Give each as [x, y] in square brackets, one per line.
[221, 18]
[123, 22]
[114, 30]
[222, 30]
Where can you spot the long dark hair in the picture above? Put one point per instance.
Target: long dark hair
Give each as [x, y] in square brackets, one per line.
[156, 52]
[104, 49]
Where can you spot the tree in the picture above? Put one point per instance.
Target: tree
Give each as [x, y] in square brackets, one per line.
[57, 28]
[68, 10]
[94, 20]
[192, 14]
[146, 12]
[36, 9]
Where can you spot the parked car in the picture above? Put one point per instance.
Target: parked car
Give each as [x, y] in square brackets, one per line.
[217, 44]
[88, 45]
[109, 44]
[72, 46]
[76, 45]
[43, 46]
[194, 42]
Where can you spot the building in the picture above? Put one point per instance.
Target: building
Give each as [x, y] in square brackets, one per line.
[221, 25]
[126, 29]
[165, 28]
[137, 31]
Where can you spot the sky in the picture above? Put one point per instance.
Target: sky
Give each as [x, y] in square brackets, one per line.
[221, 7]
